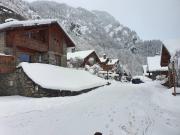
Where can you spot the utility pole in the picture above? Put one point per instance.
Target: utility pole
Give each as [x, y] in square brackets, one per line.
[174, 77]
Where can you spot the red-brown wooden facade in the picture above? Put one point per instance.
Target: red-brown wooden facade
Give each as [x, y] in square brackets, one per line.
[35, 39]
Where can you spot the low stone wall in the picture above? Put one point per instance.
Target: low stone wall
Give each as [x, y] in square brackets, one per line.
[8, 84]
[18, 83]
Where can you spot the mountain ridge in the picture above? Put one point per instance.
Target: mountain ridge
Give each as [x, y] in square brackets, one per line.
[98, 30]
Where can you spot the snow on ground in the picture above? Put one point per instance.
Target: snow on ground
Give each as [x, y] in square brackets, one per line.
[118, 109]
[59, 78]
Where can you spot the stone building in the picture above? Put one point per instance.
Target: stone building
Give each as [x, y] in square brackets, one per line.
[33, 41]
[154, 67]
[170, 57]
[84, 56]
[43, 41]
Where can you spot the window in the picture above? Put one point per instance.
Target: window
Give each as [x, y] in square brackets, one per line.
[24, 58]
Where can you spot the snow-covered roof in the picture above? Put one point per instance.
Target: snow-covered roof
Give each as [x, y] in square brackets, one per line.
[16, 23]
[38, 22]
[102, 59]
[80, 54]
[59, 78]
[112, 61]
[2, 54]
[153, 64]
[172, 45]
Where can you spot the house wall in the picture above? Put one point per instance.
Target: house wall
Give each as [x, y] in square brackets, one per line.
[35, 39]
[2, 42]
[57, 46]
[8, 84]
[165, 57]
[44, 44]
[92, 55]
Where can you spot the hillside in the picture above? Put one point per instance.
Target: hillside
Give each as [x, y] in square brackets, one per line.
[19, 7]
[93, 29]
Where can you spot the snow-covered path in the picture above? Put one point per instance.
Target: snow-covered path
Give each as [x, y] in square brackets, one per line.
[118, 109]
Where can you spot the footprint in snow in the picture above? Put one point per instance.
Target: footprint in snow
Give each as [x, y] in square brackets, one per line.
[167, 123]
[130, 123]
[111, 132]
[114, 112]
[112, 120]
[107, 125]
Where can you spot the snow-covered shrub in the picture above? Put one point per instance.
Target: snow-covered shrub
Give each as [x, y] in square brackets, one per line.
[91, 61]
[93, 69]
[75, 63]
[118, 69]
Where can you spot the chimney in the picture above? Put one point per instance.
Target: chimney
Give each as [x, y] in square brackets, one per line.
[104, 56]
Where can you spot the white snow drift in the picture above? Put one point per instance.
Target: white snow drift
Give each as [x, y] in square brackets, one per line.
[118, 109]
[59, 78]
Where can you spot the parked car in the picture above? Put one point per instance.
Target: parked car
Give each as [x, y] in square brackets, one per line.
[137, 81]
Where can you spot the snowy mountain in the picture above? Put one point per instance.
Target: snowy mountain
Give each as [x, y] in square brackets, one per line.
[15, 9]
[94, 29]
[91, 29]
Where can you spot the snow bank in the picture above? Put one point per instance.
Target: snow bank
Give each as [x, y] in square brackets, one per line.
[117, 109]
[59, 78]
[166, 100]
[154, 64]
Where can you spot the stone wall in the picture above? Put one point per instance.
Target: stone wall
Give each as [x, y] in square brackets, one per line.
[8, 84]
[26, 87]
[18, 83]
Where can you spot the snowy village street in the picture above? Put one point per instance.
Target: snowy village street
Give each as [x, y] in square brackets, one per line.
[118, 109]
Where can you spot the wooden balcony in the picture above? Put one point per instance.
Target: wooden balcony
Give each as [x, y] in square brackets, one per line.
[31, 44]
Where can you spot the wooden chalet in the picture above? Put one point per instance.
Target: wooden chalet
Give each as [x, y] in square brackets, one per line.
[36, 41]
[103, 62]
[112, 64]
[154, 67]
[85, 56]
[170, 56]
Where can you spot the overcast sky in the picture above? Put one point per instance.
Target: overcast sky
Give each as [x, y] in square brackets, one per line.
[151, 19]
